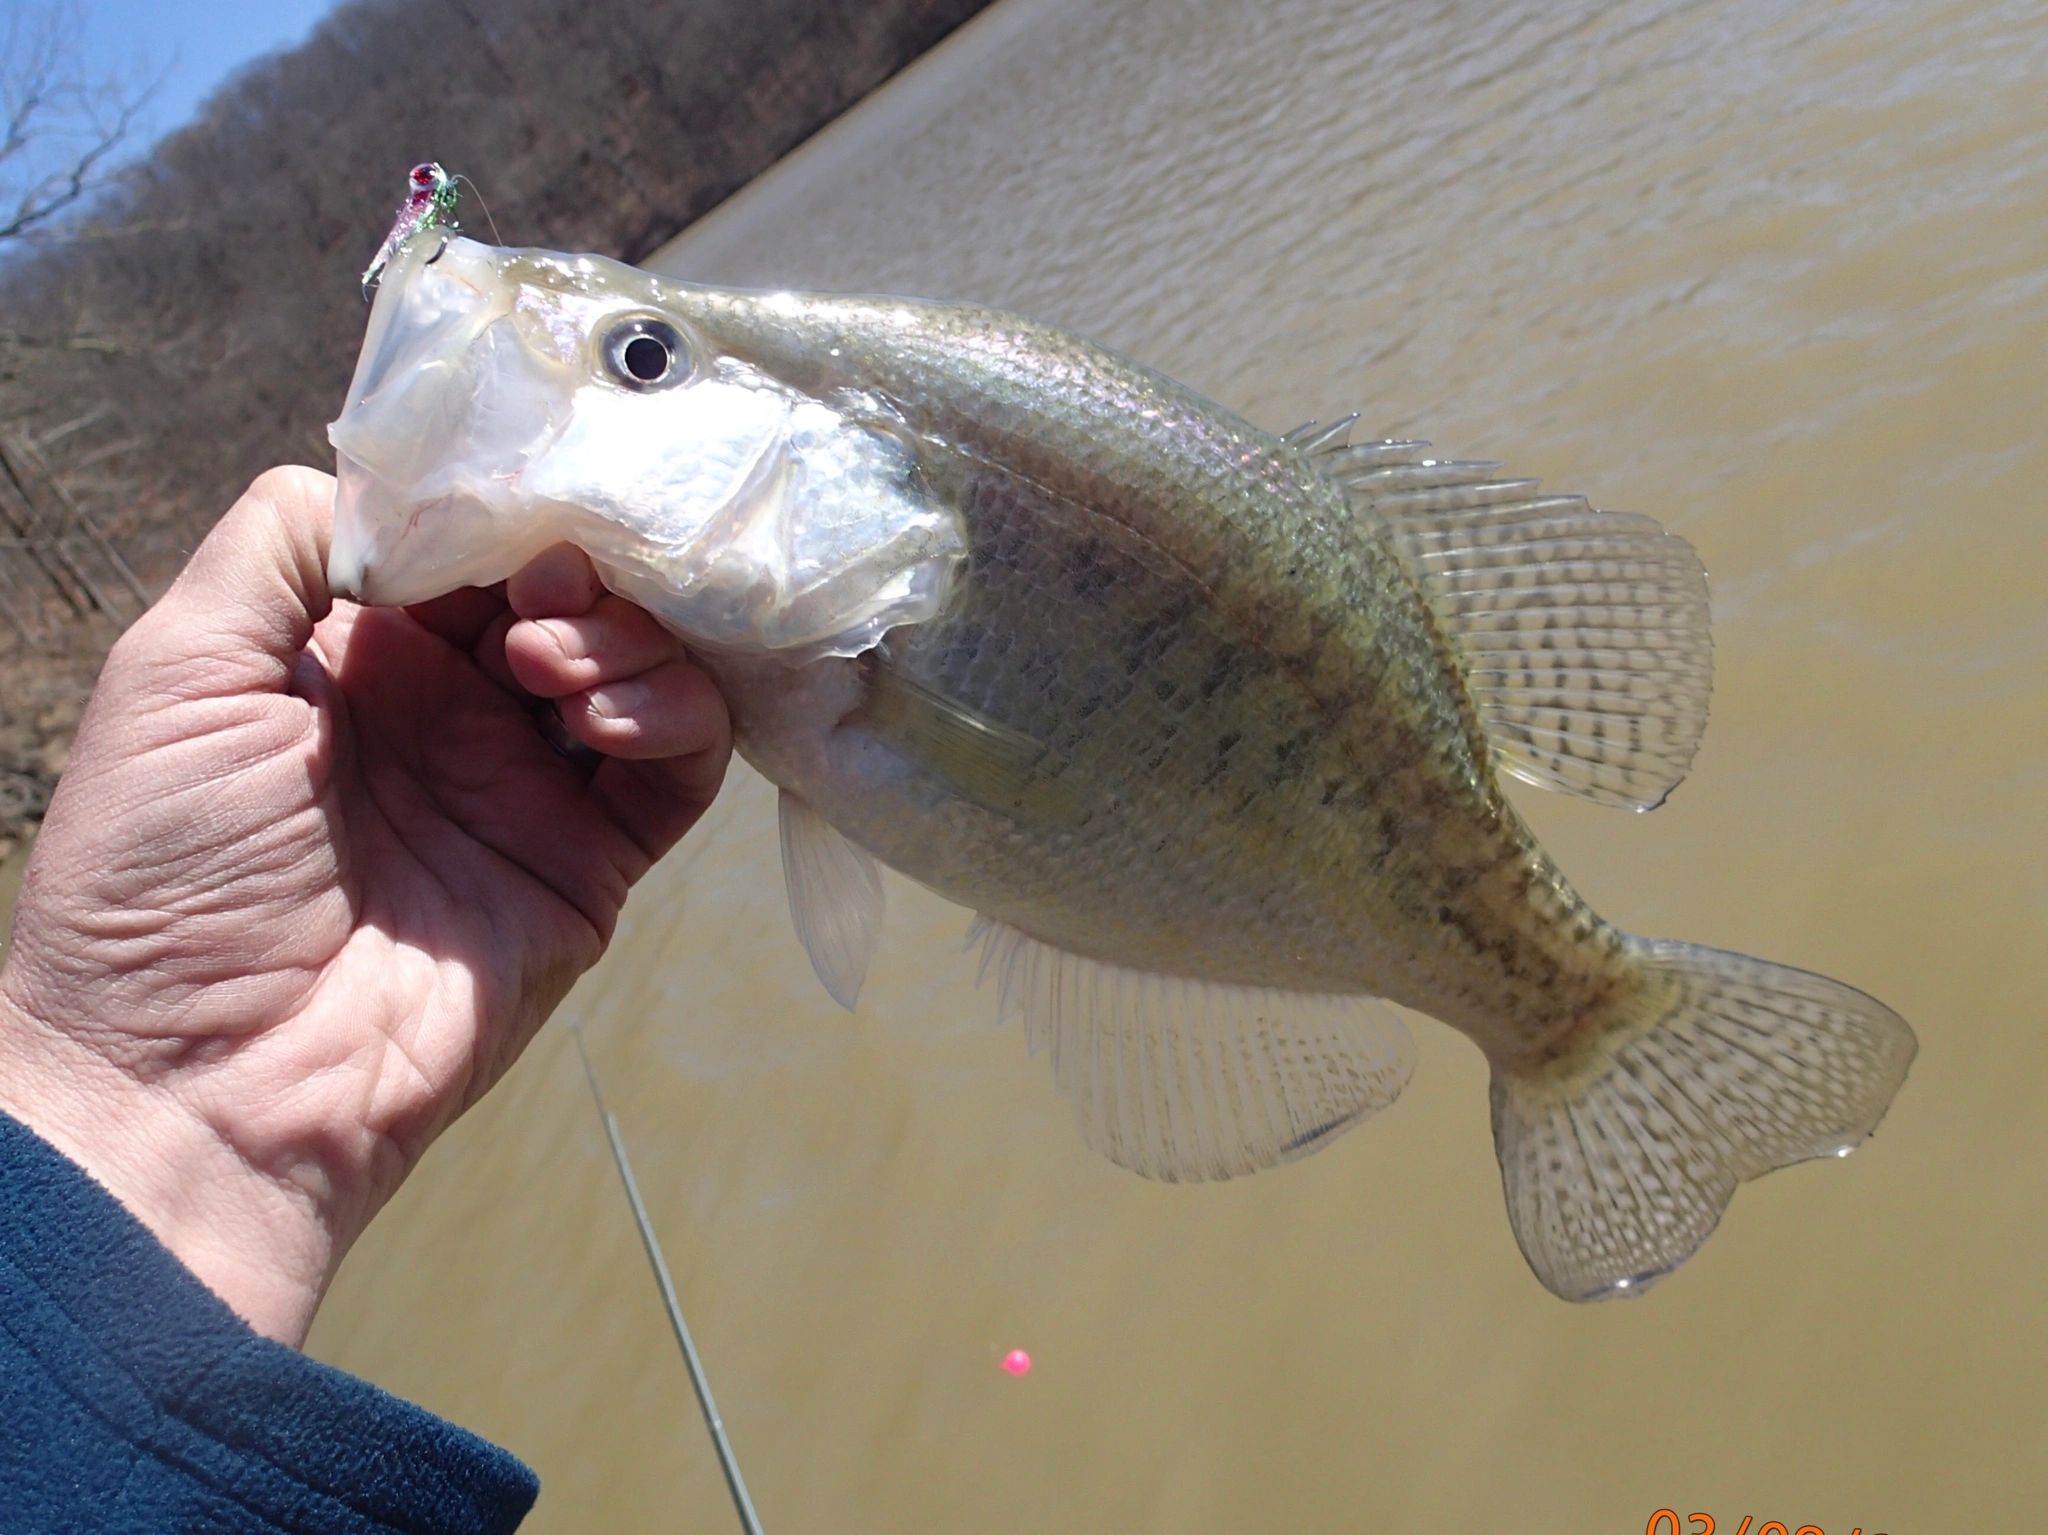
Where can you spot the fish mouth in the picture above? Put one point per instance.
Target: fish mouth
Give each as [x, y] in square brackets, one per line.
[381, 553]
[350, 549]
[415, 386]
[438, 294]
[393, 546]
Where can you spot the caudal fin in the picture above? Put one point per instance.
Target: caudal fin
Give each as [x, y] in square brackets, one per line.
[1619, 1157]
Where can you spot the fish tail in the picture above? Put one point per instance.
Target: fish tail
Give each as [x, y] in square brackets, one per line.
[1620, 1150]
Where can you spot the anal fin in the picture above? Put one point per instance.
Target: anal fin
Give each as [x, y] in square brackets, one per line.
[1190, 1081]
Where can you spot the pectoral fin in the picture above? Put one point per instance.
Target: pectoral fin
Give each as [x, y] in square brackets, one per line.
[1582, 634]
[979, 759]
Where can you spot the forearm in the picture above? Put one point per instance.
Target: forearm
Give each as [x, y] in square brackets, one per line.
[257, 1241]
[134, 1399]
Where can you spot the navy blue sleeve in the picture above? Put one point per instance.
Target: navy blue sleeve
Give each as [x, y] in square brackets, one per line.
[133, 1399]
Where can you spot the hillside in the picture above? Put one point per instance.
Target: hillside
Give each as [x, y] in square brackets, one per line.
[201, 324]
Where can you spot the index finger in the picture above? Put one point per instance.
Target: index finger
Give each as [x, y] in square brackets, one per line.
[556, 583]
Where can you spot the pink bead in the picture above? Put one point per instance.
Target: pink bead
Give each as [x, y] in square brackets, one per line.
[1017, 1362]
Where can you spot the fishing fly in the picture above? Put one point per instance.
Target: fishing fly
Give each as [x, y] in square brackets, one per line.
[429, 203]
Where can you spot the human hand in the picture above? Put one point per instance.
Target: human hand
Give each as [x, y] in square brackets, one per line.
[313, 878]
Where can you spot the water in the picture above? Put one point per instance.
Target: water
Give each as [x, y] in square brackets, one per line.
[1772, 272]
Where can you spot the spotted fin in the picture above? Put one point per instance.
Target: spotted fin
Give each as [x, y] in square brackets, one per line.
[1583, 634]
[1619, 1154]
[1189, 1081]
[835, 898]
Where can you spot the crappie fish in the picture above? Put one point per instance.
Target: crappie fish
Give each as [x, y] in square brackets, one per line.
[1206, 723]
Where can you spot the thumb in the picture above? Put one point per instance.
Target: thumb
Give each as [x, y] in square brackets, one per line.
[245, 604]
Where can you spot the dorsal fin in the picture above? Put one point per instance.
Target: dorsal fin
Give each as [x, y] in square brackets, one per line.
[1582, 634]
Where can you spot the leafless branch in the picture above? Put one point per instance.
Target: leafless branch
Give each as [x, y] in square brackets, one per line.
[60, 130]
[97, 412]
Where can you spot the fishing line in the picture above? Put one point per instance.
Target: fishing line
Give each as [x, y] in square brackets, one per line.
[727, 1461]
[496, 238]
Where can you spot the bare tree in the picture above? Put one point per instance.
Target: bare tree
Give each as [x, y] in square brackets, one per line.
[61, 129]
[62, 132]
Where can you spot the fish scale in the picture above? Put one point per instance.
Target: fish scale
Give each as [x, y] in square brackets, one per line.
[1284, 907]
[1172, 477]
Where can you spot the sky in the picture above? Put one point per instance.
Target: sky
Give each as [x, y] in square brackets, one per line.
[193, 44]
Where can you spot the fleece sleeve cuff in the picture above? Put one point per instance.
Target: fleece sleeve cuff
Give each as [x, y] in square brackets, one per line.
[132, 1398]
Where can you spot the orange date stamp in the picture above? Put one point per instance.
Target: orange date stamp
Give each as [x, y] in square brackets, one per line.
[1668, 1521]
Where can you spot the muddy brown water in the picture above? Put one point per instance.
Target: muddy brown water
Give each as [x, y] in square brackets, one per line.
[1772, 272]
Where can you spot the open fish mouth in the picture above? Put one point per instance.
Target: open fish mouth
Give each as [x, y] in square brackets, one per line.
[409, 523]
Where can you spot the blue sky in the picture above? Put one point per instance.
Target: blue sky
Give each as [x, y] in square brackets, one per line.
[193, 44]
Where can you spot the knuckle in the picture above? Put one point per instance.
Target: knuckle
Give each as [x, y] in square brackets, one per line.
[286, 482]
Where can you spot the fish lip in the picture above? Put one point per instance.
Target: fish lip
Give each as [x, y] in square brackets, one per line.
[348, 554]
[364, 551]
[435, 303]
[360, 542]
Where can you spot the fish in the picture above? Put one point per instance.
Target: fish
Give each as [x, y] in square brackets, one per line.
[1208, 725]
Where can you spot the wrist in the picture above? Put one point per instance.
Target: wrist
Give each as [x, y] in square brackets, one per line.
[257, 1241]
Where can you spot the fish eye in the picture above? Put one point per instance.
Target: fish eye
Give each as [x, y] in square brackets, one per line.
[644, 353]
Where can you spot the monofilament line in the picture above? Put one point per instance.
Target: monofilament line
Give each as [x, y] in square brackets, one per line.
[727, 1461]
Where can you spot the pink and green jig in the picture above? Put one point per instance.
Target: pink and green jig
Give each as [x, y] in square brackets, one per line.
[429, 202]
